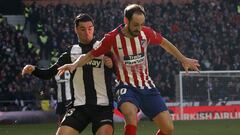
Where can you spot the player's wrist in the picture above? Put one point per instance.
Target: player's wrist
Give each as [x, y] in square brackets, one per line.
[182, 59]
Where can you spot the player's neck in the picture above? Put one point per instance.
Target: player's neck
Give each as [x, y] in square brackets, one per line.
[85, 42]
[126, 33]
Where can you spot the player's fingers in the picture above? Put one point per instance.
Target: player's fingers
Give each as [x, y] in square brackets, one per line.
[196, 69]
[195, 62]
[25, 70]
[108, 62]
[71, 70]
[186, 69]
[62, 67]
[60, 72]
[195, 66]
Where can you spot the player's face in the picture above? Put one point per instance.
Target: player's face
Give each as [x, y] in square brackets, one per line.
[135, 24]
[85, 31]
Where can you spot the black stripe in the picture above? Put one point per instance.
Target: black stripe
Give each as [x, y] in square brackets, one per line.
[108, 83]
[62, 77]
[90, 91]
[72, 89]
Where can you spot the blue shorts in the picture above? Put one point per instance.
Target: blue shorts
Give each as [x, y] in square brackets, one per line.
[148, 100]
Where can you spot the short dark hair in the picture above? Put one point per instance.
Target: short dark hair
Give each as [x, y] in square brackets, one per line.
[82, 17]
[133, 8]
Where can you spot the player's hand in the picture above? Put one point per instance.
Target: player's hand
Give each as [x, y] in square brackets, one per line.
[108, 61]
[66, 67]
[28, 69]
[188, 63]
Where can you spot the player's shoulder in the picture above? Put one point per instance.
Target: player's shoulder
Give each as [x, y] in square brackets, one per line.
[74, 46]
[150, 31]
[147, 29]
[75, 49]
[114, 32]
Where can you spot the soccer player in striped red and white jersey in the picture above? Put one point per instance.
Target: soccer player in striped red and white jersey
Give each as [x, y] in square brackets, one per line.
[136, 90]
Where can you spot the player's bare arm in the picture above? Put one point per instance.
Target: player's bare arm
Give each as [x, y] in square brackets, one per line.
[187, 63]
[28, 69]
[82, 60]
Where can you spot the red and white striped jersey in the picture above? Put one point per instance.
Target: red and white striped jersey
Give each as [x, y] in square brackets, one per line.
[130, 55]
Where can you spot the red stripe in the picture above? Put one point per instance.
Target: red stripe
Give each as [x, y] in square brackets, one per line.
[146, 70]
[116, 59]
[141, 74]
[124, 48]
[140, 39]
[134, 68]
[133, 45]
[148, 80]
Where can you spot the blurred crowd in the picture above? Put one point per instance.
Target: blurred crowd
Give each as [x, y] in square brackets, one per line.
[15, 53]
[209, 32]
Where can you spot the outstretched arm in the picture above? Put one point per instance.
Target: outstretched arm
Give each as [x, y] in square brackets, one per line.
[46, 74]
[187, 63]
[81, 60]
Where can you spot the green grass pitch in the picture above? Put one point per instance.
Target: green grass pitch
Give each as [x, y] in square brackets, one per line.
[217, 127]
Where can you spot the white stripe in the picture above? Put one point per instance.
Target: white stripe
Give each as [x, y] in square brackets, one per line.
[138, 48]
[143, 36]
[145, 79]
[78, 84]
[59, 91]
[120, 52]
[150, 79]
[76, 51]
[79, 90]
[130, 52]
[100, 85]
[67, 86]
[129, 46]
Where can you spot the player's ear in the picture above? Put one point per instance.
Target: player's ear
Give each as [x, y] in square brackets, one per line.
[75, 29]
[125, 20]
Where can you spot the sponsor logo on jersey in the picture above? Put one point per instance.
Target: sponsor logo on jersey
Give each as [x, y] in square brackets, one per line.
[134, 59]
[143, 41]
[96, 63]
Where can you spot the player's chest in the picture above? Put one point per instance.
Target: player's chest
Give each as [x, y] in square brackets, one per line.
[130, 51]
[94, 63]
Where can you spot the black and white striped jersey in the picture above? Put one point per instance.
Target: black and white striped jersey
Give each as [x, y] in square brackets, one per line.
[90, 84]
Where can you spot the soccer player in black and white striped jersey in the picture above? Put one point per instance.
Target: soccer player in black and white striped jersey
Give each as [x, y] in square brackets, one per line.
[90, 85]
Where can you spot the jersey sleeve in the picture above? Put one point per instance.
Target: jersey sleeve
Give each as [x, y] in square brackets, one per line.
[103, 47]
[155, 38]
[64, 59]
[48, 73]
